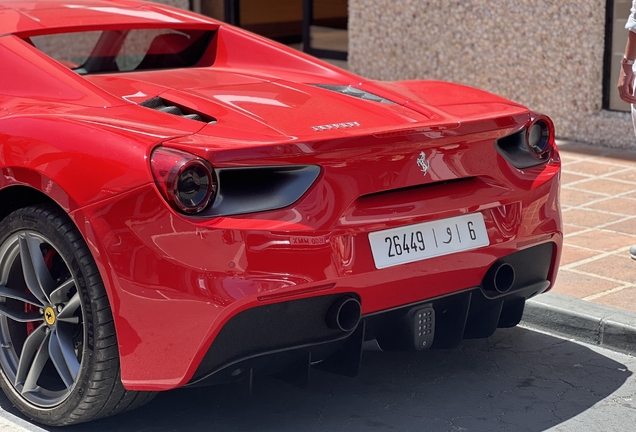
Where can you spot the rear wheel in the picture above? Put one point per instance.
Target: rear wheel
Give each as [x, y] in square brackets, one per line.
[59, 362]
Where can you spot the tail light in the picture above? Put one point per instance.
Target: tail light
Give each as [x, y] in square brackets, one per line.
[531, 146]
[185, 180]
[538, 137]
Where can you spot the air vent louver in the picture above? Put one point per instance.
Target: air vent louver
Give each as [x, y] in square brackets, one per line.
[160, 104]
[355, 92]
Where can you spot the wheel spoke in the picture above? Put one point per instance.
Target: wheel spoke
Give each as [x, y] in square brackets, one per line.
[63, 356]
[36, 274]
[29, 349]
[19, 316]
[36, 367]
[70, 308]
[24, 296]
[59, 294]
[65, 336]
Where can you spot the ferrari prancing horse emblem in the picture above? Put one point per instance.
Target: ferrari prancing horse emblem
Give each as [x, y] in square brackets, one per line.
[423, 163]
[49, 315]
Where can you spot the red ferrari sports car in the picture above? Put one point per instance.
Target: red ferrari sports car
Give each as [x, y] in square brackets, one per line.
[185, 203]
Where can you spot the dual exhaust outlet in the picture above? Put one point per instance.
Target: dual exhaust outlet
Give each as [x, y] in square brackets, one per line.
[345, 312]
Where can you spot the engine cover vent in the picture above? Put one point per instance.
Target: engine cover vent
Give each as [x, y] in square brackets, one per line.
[160, 104]
[355, 92]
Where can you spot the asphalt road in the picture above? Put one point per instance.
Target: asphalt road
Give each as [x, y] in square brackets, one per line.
[518, 380]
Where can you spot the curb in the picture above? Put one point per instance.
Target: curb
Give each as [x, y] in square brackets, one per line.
[582, 320]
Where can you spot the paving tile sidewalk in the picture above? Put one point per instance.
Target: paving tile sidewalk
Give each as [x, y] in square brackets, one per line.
[598, 199]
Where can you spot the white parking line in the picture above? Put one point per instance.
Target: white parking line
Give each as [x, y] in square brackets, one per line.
[12, 423]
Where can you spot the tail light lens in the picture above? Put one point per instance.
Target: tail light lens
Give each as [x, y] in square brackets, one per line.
[538, 138]
[185, 180]
[531, 146]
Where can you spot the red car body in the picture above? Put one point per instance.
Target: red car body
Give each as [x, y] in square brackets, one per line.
[176, 281]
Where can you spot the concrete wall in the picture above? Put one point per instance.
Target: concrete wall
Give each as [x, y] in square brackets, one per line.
[545, 54]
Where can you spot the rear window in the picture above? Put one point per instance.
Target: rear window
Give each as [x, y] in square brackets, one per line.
[125, 50]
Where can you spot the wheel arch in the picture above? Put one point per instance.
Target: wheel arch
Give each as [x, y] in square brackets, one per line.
[15, 197]
[24, 192]
[22, 187]
[20, 195]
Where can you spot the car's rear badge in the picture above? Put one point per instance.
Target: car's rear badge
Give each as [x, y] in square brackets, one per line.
[423, 163]
[347, 125]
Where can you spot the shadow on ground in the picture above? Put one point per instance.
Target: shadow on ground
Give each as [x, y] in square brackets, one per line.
[517, 380]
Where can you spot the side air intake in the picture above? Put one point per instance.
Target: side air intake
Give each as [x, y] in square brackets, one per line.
[355, 92]
[159, 104]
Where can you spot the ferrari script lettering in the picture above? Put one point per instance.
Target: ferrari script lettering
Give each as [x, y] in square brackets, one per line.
[336, 126]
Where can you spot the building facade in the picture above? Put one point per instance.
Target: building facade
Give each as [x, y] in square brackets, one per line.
[555, 57]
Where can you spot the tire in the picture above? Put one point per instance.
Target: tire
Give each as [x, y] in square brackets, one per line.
[59, 360]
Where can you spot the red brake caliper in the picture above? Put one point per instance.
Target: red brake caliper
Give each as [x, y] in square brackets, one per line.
[28, 307]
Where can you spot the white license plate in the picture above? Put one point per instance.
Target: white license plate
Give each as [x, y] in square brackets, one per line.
[418, 242]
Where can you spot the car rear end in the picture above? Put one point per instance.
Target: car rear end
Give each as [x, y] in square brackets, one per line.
[417, 237]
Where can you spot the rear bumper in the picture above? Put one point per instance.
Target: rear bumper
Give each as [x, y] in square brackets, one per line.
[291, 335]
[175, 284]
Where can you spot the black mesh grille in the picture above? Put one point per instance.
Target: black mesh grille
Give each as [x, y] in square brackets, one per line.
[159, 104]
[355, 92]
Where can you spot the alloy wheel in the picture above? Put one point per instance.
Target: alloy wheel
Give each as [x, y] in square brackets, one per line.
[41, 319]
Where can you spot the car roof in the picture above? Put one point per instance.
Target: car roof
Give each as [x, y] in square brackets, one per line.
[57, 16]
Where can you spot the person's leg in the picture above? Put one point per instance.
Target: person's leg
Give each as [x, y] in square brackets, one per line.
[632, 250]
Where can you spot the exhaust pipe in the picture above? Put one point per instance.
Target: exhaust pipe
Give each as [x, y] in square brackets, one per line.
[499, 278]
[344, 314]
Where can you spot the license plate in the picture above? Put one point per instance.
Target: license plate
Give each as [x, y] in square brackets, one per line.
[426, 240]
